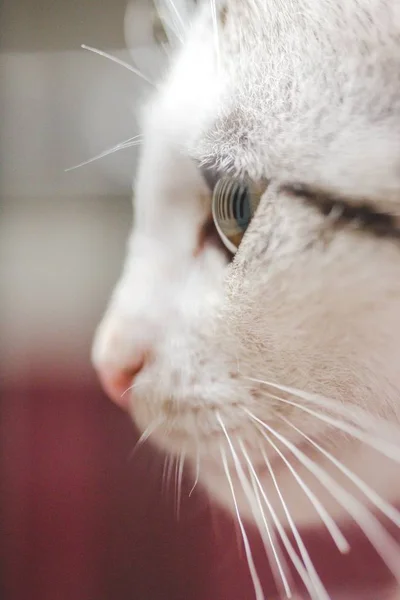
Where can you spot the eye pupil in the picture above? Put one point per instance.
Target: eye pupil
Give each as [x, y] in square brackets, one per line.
[241, 205]
[225, 192]
[233, 205]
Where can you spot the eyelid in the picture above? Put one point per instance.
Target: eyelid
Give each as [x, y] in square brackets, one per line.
[368, 217]
[211, 176]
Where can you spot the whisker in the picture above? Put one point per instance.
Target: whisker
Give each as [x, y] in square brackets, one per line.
[380, 539]
[164, 473]
[299, 540]
[197, 475]
[132, 387]
[118, 61]
[304, 575]
[386, 448]
[176, 487]
[352, 412]
[170, 468]
[179, 487]
[337, 536]
[178, 16]
[129, 143]
[145, 436]
[268, 542]
[172, 19]
[250, 561]
[387, 509]
[281, 579]
[215, 30]
[330, 524]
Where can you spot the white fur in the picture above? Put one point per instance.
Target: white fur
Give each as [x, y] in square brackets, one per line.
[301, 91]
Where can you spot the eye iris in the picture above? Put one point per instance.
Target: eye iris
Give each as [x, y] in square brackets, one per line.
[233, 206]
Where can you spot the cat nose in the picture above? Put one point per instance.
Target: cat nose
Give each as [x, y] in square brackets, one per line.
[118, 382]
[118, 358]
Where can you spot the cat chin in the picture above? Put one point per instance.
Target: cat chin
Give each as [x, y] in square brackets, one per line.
[307, 494]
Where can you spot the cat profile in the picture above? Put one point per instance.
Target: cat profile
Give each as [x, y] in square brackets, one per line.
[256, 321]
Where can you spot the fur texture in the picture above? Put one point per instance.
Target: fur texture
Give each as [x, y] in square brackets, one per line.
[291, 91]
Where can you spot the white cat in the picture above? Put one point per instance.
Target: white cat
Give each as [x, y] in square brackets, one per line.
[274, 371]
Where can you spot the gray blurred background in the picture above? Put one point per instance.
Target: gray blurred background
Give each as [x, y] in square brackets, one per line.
[62, 234]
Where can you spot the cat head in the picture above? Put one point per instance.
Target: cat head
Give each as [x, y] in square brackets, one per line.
[303, 102]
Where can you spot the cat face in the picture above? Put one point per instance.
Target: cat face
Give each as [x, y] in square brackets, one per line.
[243, 364]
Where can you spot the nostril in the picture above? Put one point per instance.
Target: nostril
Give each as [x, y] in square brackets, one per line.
[117, 382]
[121, 348]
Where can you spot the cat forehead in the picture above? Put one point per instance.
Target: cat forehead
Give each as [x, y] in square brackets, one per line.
[306, 90]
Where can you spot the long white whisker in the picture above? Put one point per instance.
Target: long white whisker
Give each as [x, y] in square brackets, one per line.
[250, 561]
[178, 16]
[134, 141]
[172, 19]
[242, 478]
[145, 436]
[269, 543]
[132, 387]
[387, 509]
[386, 448]
[329, 523]
[352, 413]
[180, 476]
[197, 475]
[303, 550]
[283, 573]
[304, 575]
[164, 473]
[336, 534]
[169, 470]
[176, 487]
[118, 61]
[383, 543]
[215, 29]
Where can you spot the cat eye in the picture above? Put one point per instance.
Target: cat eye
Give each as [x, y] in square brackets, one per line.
[234, 203]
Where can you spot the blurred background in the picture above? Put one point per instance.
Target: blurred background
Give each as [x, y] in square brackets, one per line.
[80, 519]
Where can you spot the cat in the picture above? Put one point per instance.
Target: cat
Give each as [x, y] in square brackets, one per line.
[255, 326]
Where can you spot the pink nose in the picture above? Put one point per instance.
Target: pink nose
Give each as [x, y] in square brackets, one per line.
[118, 383]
